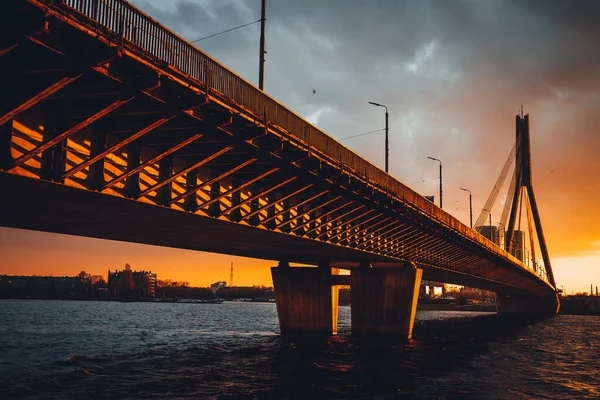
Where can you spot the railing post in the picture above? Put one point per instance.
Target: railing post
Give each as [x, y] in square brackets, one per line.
[121, 34]
[95, 9]
[206, 78]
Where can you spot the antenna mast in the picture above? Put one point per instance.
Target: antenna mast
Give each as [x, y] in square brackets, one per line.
[231, 275]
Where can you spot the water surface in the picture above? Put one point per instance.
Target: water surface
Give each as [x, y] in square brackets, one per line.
[97, 350]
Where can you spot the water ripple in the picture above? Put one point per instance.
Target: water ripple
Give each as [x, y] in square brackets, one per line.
[109, 350]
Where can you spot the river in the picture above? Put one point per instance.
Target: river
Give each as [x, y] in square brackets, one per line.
[112, 350]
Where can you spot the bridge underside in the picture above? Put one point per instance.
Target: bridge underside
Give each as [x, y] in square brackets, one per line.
[102, 137]
[50, 207]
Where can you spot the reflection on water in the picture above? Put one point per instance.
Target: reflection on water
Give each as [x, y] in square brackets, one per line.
[66, 350]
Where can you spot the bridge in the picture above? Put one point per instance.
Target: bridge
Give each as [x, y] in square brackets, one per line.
[114, 127]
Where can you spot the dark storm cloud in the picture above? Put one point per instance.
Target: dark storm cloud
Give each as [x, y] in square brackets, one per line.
[453, 74]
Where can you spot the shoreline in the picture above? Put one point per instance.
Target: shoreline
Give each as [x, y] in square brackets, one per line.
[455, 307]
[487, 307]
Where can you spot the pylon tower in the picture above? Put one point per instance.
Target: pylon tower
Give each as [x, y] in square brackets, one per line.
[231, 276]
[524, 189]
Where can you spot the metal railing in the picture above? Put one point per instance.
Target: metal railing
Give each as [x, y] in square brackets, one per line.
[129, 24]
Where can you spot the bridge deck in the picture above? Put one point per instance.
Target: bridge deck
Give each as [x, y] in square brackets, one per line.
[241, 167]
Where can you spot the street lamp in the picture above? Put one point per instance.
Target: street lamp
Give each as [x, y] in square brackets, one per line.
[387, 147]
[435, 159]
[470, 206]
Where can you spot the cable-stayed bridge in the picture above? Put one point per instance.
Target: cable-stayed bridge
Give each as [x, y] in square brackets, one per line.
[112, 126]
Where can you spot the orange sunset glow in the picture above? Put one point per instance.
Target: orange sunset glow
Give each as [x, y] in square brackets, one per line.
[453, 84]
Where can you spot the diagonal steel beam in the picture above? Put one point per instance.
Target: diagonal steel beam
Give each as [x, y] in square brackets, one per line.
[358, 236]
[74, 129]
[437, 248]
[266, 206]
[414, 241]
[420, 244]
[444, 249]
[352, 234]
[258, 195]
[49, 91]
[8, 49]
[332, 221]
[399, 236]
[323, 216]
[351, 221]
[376, 231]
[405, 240]
[223, 175]
[307, 212]
[195, 189]
[240, 187]
[272, 217]
[389, 234]
[152, 160]
[119, 145]
[183, 171]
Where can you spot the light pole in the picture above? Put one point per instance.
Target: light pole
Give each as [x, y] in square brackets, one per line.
[435, 159]
[470, 206]
[262, 52]
[387, 147]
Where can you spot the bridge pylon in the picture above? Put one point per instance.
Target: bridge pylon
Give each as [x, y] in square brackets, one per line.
[523, 192]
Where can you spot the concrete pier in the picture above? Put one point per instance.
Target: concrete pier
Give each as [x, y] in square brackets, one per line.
[527, 305]
[307, 302]
[384, 300]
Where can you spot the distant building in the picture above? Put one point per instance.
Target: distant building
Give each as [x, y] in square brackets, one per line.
[477, 294]
[44, 287]
[217, 285]
[131, 284]
[427, 288]
[491, 233]
[519, 245]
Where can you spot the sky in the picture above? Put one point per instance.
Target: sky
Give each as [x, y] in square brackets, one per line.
[453, 75]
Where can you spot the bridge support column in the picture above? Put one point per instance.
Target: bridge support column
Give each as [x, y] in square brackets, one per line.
[272, 198]
[54, 159]
[527, 305]
[96, 171]
[191, 180]
[236, 198]
[214, 210]
[384, 300]
[165, 171]
[254, 206]
[134, 153]
[306, 300]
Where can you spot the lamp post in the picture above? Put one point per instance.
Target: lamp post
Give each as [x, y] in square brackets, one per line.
[470, 206]
[262, 52]
[435, 159]
[387, 147]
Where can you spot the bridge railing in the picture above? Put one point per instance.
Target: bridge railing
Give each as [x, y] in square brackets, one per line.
[127, 23]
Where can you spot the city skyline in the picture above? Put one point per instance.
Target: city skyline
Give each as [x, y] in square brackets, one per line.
[452, 94]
